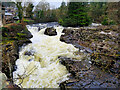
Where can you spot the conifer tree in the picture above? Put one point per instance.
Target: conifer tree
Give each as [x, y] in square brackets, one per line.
[77, 15]
[29, 9]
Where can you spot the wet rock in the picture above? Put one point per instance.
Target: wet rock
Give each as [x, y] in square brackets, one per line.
[96, 83]
[73, 66]
[23, 42]
[50, 32]
[5, 84]
[9, 56]
[83, 77]
[29, 53]
[3, 79]
[115, 70]
[12, 86]
[90, 40]
[39, 28]
[18, 36]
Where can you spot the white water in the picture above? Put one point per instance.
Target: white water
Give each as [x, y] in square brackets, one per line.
[42, 69]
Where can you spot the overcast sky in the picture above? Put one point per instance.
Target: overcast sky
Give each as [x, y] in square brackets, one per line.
[53, 3]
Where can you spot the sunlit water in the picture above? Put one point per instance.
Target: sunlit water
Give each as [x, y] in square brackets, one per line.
[41, 69]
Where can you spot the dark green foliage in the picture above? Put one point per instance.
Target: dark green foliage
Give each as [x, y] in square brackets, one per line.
[62, 10]
[15, 32]
[62, 5]
[118, 13]
[112, 12]
[40, 14]
[60, 21]
[97, 11]
[52, 16]
[112, 22]
[107, 21]
[20, 11]
[45, 16]
[77, 15]
[29, 9]
[4, 31]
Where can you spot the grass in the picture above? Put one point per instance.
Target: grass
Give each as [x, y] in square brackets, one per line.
[25, 20]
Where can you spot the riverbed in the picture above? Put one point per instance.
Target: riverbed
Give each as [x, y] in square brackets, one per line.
[38, 64]
[53, 62]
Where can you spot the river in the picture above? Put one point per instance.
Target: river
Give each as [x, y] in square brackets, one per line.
[38, 64]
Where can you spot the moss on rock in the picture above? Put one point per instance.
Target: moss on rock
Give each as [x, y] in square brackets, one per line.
[13, 37]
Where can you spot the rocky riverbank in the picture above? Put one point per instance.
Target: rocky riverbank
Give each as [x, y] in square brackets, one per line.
[102, 45]
[13, 37]
[100, 67]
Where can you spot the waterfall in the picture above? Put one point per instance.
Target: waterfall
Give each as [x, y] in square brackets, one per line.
[38, 64]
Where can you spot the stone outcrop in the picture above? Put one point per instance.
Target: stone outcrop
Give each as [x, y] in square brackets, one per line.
[13, 37]
[50, 32]
[101, 42]
[85, 75]
[102, 45]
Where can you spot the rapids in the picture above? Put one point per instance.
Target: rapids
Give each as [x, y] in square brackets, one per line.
[38, 64]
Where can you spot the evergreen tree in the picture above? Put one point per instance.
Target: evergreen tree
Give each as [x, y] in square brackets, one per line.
[29, 9]
[63, 9]
[62, 5]
[77, 15]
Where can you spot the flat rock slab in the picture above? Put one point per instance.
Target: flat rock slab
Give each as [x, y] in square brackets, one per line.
[101, 42]
[83, 76]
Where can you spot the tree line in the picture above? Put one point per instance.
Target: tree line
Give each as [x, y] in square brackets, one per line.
[72, 13]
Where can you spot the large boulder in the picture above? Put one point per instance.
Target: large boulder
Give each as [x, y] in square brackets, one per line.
[9, 56]
[3, 79]
[50, 32]
[4, 84]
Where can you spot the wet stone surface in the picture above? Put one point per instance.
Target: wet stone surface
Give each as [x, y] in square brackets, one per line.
[101, 42]
[102, 39]
[87, 77]
[103, 71]
[14, 36]
[50, 31]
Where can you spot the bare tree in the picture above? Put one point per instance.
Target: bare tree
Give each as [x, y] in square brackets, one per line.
[20, 8]
[43, 5]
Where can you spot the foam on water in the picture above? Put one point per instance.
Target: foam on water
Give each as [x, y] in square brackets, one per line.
[41, 69]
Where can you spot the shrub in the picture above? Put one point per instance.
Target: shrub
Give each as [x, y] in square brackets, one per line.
[60, 21]
[106, 21]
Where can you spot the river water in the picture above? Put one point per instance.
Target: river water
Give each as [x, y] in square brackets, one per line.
[38, 64]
